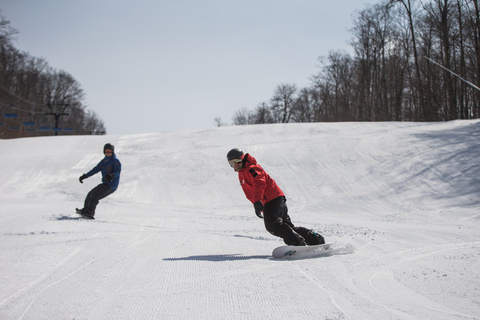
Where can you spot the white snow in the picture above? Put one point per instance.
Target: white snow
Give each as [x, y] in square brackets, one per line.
[179, 240]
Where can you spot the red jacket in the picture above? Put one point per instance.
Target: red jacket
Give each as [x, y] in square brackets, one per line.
[256, 183]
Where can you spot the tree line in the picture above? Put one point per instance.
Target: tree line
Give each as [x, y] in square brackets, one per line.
[394, 73]
[36, 99]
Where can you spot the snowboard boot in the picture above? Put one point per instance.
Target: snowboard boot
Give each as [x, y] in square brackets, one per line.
[311, 237]
[295, 240]
[301, 241]
[86, 214]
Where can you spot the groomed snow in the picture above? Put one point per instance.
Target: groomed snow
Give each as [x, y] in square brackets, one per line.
[178, 240]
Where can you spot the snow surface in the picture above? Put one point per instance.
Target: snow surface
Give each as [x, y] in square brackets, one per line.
[178, 240]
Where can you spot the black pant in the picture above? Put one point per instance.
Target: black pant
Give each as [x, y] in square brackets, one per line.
[277, 221]
[95, 195]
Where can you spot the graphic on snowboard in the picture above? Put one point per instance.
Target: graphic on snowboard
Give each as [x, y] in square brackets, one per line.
[298, 252]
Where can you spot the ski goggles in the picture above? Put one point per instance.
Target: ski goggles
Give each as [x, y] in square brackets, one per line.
[234, 161]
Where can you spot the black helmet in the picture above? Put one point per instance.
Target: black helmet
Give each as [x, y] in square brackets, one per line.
[109, 146]
[234, 154]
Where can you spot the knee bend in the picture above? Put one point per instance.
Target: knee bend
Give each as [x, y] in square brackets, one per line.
[274, 227]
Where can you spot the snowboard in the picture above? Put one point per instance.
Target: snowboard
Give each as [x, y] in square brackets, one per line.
[82, 215]
[301, 252]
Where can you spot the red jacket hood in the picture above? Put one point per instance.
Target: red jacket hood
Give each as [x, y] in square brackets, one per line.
[248, 158]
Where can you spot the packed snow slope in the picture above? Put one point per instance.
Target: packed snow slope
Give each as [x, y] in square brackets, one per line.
[178, 240]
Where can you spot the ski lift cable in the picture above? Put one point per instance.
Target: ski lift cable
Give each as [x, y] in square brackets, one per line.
[467, 82]
[17, 108]
[23, 99]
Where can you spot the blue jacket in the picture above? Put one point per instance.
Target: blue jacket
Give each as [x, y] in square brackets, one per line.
[106, 166]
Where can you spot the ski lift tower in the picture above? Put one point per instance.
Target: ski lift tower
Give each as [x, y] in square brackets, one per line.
[57, 114]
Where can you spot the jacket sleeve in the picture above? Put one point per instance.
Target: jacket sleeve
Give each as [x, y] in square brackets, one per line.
[259, 183]
[95, 169]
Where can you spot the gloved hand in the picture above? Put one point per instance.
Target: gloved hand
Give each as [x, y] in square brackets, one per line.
[258, 209]
[109, 177]
[83, 177]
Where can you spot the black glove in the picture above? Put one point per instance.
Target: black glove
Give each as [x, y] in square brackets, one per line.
[83, 177]
[109, 177]
[258, 209]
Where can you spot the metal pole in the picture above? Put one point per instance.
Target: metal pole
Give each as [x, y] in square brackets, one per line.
[57, 114]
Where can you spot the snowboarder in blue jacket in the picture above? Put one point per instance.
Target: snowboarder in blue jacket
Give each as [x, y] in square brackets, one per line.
[110, 168]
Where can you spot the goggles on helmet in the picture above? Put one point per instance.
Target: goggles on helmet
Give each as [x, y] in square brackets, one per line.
[234, 161]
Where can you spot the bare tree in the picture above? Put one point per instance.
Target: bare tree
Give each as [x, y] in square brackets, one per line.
[417, 83]
[388, 78]
[6, 30]
[263, 114]
[242, 117]
[336, 86]
[218, 121]
[283, 102]
[31, 92]
[306, 104]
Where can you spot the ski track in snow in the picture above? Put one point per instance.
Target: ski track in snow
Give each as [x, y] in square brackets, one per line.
[178, 240]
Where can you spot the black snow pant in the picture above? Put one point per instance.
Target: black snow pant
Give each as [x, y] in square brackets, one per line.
[95, 195]
[278, 222]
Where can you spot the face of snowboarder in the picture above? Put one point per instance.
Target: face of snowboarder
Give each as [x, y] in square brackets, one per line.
[236, 164]
[108, 152]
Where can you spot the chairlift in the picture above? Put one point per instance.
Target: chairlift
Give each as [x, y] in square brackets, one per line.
[29, 123]
[14, 128]
[10, 115]
[68, 129]
[45, 128]
[30, 129]
[2, 123]
[57, 129]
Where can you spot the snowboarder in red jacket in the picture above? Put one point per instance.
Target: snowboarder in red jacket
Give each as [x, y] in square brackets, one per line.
[267, 197]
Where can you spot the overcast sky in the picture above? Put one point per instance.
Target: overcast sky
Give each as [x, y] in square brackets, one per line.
[158, 65]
